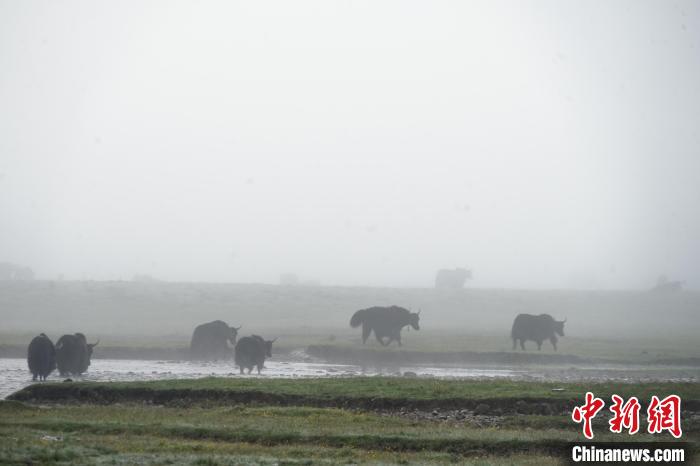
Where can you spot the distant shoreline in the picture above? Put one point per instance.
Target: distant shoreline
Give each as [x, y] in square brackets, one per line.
[367, 356]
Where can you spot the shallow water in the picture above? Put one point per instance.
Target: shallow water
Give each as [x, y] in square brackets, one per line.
[14, 374]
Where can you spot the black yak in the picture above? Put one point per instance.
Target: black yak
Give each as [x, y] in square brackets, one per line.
[210, 341]
[452, 278]
[251, 352]
[41, 357]
[73, 354]
[386, 322]
[536, 328]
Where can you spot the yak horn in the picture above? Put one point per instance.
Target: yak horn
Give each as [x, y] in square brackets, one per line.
[238, 328]
[274, 340]
[94, 344]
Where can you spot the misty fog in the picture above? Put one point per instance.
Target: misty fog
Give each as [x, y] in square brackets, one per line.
[349, 231]
[543, 145]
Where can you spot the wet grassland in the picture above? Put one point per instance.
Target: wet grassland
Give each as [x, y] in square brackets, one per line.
[632, 343]
[388, 420]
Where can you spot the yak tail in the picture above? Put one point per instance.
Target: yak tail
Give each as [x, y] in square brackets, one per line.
[357, 318]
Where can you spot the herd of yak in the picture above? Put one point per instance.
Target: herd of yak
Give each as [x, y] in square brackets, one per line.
[210, 341]
[71, 354]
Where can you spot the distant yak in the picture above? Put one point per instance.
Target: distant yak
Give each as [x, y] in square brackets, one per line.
[210, 341]
[41, 357]
[251, 352]
[73, 354]
[386, 322]
[664, 285]
[452, 278]
[536, 328]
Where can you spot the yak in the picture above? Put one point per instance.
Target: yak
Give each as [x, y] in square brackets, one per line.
[73, 354]
[251, 352]
[452, 278]
[664, 285]
[210, 341]
[41, 357]
[536, 328]
[386, 322]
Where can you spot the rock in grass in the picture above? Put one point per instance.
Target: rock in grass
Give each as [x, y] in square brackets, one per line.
[482, 409]
[544, 409]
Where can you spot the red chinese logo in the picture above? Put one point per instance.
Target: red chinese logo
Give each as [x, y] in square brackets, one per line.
[587, 412]
[662, 415]
[665, 415]
[625, 415]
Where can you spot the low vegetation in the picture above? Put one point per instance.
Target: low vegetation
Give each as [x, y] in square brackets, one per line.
[400, 390]
[74, 428]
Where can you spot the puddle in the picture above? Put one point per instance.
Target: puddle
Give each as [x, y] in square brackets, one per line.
[14, 374]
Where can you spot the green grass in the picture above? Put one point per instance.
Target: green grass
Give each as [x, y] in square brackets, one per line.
[393, 388]
[24, 446]
[143, 433]
[299, 424]
[262, 435]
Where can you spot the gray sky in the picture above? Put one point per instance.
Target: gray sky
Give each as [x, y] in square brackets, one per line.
[543, 144]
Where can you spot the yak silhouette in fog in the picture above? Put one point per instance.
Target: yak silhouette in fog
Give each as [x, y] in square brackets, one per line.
[41, 357]
[251, 352]
[664, 285]
[454, 279]
[210, 341]
[536, 328]
[386, 322]
[73, 354]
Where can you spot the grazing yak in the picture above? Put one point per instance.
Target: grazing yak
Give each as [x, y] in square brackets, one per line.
[210, 341]
[386, 322]
[251, 352]
[454, 279]
[41, 357]
[536, 328]
[73, 354]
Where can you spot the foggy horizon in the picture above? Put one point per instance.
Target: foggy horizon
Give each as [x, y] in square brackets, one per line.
[542, 145]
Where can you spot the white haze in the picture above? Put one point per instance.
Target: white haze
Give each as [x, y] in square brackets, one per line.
[543, 144]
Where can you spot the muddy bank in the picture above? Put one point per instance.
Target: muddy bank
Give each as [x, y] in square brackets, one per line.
[70, 393]
[366, 356]
[67, 393]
